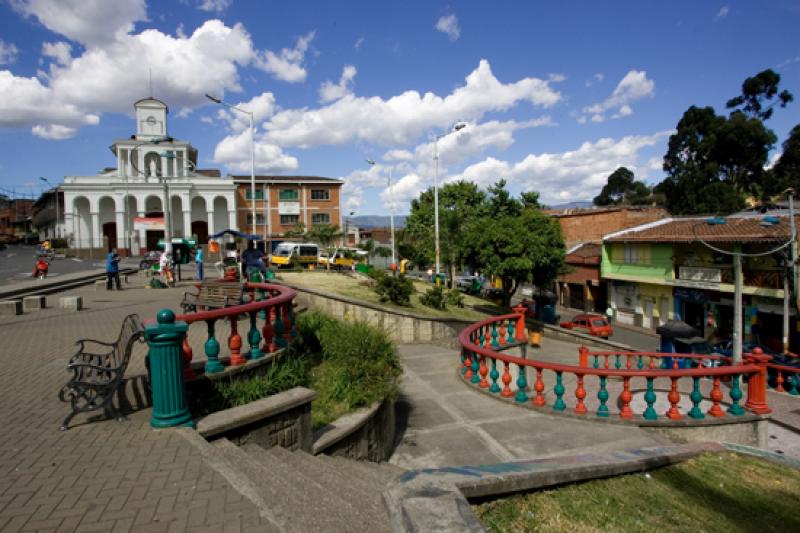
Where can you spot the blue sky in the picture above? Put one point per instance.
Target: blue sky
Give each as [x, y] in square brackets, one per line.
[555, 95]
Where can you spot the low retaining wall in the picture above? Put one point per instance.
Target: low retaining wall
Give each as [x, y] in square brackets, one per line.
[365, 435]
[403, 327]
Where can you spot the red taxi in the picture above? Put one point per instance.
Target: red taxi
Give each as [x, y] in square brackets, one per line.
[591, 324]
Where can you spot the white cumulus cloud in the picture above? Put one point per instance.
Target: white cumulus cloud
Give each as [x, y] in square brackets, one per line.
[287, 65]
[448, 25]
[633, 86]
[723, 12]
[53, 132]
[234, 152]
[60, 52]
[330, 91]
[8, 53]
[217, 6]
[261, 106]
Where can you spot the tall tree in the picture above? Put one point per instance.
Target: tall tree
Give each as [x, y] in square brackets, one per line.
[622, 188]
[786, 172]
[760, 94]
[326, 235]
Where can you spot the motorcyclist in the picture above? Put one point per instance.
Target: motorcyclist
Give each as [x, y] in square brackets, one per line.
[41, 268]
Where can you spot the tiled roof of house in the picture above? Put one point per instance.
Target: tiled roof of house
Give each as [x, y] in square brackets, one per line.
[748, 229]
[585, 253]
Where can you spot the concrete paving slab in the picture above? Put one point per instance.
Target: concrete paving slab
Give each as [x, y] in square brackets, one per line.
[411, 351]
[434, 363]
[423, 412]
[450, 446]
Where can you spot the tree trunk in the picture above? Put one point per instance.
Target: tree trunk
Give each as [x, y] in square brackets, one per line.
[452, 270]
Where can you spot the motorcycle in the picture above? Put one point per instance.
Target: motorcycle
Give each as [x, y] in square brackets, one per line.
[40, 268]
[150, 258]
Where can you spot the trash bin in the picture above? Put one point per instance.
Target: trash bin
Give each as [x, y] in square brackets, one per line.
[548, 315]
[363, 268]
[535, 338]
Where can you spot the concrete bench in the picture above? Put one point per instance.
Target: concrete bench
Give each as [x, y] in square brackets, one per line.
[10, 307]
[74, 303]
[31, 303]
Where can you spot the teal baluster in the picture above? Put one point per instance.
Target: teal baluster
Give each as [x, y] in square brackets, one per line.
[793, 379]
[494, 374]
[696, 397]
[277, 327]
[482, 337]
[290, 314]
[602, 395]
[522, 383]
[495, 343]
[254, 338]
[640, 364]
[511, 330]
[617, 363]
[463, 360]
[650, 398]
[596, 362]
[736, 395]
[476, 366]
[559, 405]
[262, 295]
[212, 351]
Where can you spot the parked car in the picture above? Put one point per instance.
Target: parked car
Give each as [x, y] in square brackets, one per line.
[8, 238]
[591, 324]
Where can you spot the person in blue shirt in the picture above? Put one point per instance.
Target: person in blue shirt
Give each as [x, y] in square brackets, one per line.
[253, 259]
[112, 270]
[198, 264]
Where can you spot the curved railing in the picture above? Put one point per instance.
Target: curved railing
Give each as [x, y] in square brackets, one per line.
[271, 326]
[485, 366]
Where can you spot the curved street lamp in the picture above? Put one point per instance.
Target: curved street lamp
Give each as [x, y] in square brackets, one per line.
[252, 152]
[459, 126]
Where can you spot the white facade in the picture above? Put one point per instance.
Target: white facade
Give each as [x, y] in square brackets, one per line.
[100, 210]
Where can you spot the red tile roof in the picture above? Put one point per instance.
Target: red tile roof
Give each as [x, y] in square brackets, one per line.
[690, 229]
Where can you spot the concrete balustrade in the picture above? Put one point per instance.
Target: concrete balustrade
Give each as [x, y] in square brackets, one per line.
[33, 303]
[74, 303]
[10, 307]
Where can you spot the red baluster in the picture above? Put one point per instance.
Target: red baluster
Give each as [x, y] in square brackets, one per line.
[502, 334]
[483, 370]
[467, 364]
[674, 363]
[580, 394]
[506, 392]
[268, 332]
[188, 373]
[779, 382]
[235, 344]
[757, 385]
[606, 362]
[628, 363]
[716, 397]
[625, 412]
[519, 327]
[674, 397]
[539, 388]
[583, 357]
[652, 363]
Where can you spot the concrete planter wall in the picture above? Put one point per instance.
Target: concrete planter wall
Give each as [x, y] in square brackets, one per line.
[366, 435]
[402, 326]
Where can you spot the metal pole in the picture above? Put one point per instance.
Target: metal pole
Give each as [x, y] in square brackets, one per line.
[737, 310]
[436, 202]
[167, 219]
[391, 217]
[58, 230]
[785, 310]
[253, 168]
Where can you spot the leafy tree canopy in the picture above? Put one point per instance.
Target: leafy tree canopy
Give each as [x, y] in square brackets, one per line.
[786, 172]
[760, 94]
[622, 188]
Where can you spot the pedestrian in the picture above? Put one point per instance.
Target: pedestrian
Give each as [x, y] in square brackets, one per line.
[177, 263]
[112, 270]
[198, 264]
[610, 314]
[253, 259]
[165, 263]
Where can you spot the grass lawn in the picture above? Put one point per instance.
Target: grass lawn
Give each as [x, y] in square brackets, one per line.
[712, 492]
[347, 286]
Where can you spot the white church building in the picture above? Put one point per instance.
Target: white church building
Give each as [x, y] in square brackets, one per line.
[123, 207]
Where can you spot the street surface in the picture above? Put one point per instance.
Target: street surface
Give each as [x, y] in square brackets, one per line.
[641, 340]
[17, 260]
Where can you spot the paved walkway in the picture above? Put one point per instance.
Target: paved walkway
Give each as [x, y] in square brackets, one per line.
[124, 476]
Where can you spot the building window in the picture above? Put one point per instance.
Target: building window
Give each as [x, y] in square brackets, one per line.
[289, 220]
[249, 194]
[259, 219]
[637, 254]
[320, 218]
[288, 195]
[320, 194]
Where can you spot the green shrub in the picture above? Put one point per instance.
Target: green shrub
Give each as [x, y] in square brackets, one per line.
[434, 297]
[285, 372]
[398, 289]
[295, 264]
[454, 297]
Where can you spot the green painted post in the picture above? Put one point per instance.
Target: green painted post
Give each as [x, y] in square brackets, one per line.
[476, 366]
[650, 398]
[559, 404]
[463, 361]
[522, 383]
[596, 361]
[617, 363]
[165, 341]
[793, 378]
[212, 351]
[602, 395]
[736, 395]
[510, 330]
[495, 342]
[254, 338]
[640, 364]
[696, 396]
[494, 374]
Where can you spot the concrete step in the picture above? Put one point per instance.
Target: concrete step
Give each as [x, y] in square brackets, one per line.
[358, 488]
[296, 506]
[319, 482]
[380, 473]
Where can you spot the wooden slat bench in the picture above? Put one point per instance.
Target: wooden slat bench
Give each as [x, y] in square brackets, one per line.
[98, 370]
[213, 295]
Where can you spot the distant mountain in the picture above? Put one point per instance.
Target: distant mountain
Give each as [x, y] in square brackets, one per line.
[377, 221]
[571, 205]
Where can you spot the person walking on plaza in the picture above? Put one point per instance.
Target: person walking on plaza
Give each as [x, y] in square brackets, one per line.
[610, 314]
[253, 259]
[165, 263]
[198, 264]
[112, 270]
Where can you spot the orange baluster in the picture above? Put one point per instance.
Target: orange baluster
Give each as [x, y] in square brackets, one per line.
[235, 344]
[506, 392]
[674, 397]
[483, 370]
[268, 332]
[468, 365]
[625, 412]
[580, 394]
[779, 382]
[716, 397]
[188, 373]
[539, 388]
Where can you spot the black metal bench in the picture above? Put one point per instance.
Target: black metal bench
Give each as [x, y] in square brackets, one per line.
[213, 295]
[98, 370]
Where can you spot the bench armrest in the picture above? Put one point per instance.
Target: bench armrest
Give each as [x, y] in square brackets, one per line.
[82, 343]
[76, 366]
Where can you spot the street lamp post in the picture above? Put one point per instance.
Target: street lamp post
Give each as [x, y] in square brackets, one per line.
[457, 127]
[252, 152]
[57, 231]
[391, 210]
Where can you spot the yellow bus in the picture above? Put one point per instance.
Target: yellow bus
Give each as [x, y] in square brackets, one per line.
[306, 254]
